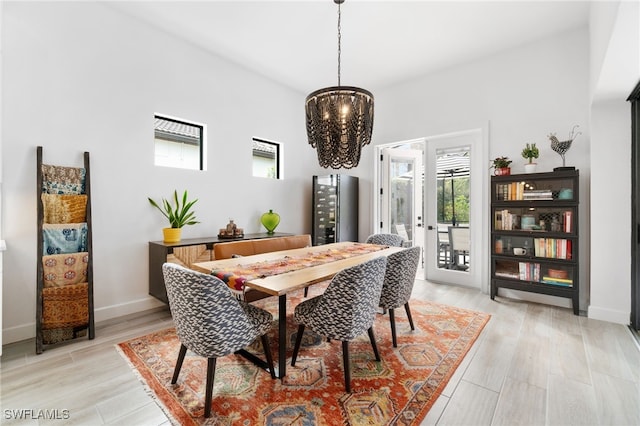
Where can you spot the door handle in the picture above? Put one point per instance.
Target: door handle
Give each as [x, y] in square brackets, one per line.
[430, 228]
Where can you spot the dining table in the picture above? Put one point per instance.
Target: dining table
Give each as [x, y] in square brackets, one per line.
[279, 273]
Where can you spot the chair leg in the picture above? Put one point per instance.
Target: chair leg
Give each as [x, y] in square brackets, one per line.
[267, 354]
[373, 343]
[176, 371]
[211, 372]
[347, 368]
[296, 347]
[406, 308]
[392, 320]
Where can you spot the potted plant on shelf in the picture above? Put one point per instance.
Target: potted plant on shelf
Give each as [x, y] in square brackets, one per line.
[530, 152]
[179, 215]
[501, 166]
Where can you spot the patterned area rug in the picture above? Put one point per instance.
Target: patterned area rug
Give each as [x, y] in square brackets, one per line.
[398, 390]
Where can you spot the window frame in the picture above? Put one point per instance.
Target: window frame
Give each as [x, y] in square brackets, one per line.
[278, 156]
[202, 149]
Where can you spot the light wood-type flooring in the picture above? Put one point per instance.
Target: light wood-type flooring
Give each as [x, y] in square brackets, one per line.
[532, 365]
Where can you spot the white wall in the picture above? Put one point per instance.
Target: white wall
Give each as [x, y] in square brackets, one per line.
[78, 76]
[524, 94]
[615, 69]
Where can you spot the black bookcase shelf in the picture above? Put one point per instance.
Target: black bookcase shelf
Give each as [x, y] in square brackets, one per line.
[534, 234]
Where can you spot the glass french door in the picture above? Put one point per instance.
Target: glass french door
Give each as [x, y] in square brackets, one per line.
[401, 203]
[453, 193]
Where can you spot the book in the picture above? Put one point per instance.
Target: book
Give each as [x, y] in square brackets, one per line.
[567, 219]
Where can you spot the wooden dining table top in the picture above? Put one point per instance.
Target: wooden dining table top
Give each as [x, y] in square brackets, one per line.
[283, 283]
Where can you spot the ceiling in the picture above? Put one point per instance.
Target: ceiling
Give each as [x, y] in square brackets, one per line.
[383, 42]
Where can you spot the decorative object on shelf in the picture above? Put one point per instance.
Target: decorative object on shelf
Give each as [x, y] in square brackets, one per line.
[561, 147]
[339, 120]
[270, 220]
[179, 215]
[501, 167]
[231, 231]
[565, 194]
[530, 152]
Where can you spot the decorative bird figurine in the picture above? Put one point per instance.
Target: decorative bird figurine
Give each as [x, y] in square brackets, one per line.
[561, 147]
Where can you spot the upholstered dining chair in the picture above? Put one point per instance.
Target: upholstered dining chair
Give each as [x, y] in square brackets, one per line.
[345, 310]
[398, 285]
[211, 322]
[385, 240]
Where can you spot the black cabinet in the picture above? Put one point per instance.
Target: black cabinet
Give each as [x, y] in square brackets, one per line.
[534, 234]
[335, 209]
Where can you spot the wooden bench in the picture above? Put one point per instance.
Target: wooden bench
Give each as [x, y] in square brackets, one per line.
[265, 245]
[251, 247]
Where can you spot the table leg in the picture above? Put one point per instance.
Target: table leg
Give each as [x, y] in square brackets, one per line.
[282, 336]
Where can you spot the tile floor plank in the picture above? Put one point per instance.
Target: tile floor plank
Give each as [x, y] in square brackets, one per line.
[531, 364]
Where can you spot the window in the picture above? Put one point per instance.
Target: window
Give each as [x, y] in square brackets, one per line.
[179, 143]
[266, 159]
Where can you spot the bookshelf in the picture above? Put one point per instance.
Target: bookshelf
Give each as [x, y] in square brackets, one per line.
[534, 234]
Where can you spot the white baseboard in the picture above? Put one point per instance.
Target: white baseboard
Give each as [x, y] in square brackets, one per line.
[609, 315]
[28, 331]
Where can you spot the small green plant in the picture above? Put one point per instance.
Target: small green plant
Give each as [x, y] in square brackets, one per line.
[501, 162]
[180, 214]
[530, 152]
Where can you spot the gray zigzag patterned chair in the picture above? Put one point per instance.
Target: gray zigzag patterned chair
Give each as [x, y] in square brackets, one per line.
[211, 322]
[385, 240]
[345, 310]
[398, 284]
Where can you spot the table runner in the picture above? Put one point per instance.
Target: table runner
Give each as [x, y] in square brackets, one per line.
[236, 276]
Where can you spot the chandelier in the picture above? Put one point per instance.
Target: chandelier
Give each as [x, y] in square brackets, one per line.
[339, 120]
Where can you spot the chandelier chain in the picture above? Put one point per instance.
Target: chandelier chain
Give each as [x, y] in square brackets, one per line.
[339, 42]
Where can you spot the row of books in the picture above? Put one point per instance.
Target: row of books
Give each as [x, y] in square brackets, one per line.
[506, 221]
[555, 248]
[530, 271]
[515, 191]
[510, 191]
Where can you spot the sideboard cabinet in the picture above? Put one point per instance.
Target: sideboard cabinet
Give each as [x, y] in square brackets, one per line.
[186, 252]
[534, 234]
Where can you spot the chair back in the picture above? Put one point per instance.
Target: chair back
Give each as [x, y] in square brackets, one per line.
[347, 308]
[399, 277]
[394, 240]
[209, 320]
[459, 238]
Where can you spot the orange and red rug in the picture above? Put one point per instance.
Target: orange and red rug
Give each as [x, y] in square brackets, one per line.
[398, 390]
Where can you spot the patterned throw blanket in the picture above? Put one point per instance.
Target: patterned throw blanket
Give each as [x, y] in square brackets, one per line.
[65, 296]
[236, 276]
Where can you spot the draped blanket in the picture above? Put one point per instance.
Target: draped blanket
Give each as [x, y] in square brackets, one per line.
[65, 296]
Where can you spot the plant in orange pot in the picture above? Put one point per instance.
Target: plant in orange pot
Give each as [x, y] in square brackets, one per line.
[179, 215]
[501, 166]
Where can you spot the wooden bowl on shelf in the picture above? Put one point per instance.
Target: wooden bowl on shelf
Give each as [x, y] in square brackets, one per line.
[558, 273]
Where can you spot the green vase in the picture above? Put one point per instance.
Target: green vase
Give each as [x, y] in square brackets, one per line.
[270, 221]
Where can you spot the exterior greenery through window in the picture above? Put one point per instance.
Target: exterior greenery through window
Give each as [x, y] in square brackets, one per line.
[266, 159]
[453, 188]
[178, 143]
